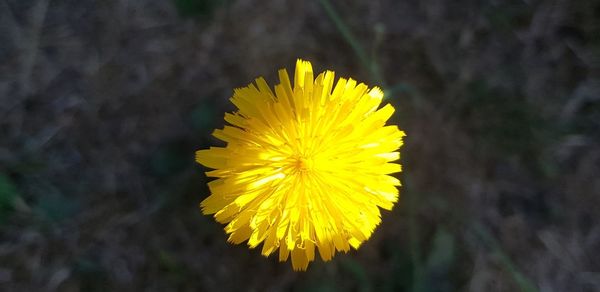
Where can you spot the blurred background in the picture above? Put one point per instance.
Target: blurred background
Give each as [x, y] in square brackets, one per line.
[103, 103]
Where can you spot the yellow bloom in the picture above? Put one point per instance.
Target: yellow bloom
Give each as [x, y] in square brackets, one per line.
[305, 167]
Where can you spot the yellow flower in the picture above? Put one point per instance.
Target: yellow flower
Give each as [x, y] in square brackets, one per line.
[305, 167]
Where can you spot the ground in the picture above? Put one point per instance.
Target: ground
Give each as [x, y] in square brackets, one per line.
[103, 103]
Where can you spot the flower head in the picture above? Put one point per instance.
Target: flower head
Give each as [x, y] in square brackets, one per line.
[306, 166]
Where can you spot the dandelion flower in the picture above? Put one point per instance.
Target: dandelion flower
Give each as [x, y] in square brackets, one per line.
[306, 167]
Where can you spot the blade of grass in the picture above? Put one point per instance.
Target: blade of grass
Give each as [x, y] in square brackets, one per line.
[370, 65]
[38, 16]
[522, 281]
[413, 234]
[411, 91]
[359, 273]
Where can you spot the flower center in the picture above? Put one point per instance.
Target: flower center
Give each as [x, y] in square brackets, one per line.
[303, 164]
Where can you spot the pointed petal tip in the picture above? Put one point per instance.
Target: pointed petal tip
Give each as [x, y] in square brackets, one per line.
[204, 208]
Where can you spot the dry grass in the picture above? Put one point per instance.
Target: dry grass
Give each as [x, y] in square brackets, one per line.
[102, 104]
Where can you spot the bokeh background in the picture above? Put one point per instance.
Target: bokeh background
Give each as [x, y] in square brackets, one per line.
[103, 103]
